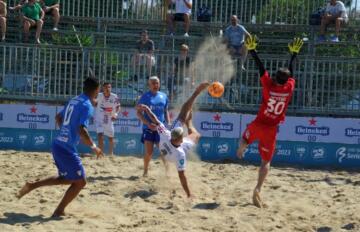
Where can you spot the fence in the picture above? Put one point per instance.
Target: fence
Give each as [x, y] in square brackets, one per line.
[249, 11]
[49, 73]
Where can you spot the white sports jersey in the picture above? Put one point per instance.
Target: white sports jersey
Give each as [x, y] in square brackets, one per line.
[181, 6]
[173, 154]
[106, 107]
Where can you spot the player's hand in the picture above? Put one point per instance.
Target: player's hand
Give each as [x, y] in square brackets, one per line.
[295, 45]
[152, 126]
[98, 152]
[251, 42]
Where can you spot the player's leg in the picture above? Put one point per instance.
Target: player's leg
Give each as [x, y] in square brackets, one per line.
[110, 132]
[149, 149]
[266, 149]
[26, 28]
[170, 23]
[248, 137]
[242, 148]
[100, 137]
[39, 25]
[187, 106]
[3, 27]
[70, 195]
[186, 23]
[263, 172]
[29, 186]
[111, 145]
[56, 16]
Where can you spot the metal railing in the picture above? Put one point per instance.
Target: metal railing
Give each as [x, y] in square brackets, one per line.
[324, 86]
[249, 11]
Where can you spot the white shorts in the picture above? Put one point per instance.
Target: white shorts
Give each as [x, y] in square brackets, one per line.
[106, 129]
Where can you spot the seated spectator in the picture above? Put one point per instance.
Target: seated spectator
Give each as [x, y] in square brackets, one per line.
[235, 36]
[3, 14]
[182, 73]
[335, 13]
[52, 7]
[33, 16]
[145, 52]
[182, 13]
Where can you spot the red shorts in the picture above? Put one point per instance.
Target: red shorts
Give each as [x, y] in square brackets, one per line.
[266, 136]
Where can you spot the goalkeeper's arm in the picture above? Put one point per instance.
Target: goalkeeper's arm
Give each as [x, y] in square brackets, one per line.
[294, 49]
[291, 63]
[258, 62]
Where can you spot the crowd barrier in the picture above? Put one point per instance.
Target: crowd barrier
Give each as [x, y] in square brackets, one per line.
[324, 86]
[304, 141]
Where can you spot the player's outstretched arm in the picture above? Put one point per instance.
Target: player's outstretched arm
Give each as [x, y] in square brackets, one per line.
[85, 137]
[294, 48]
[251, 44]
[184, 183]
[147, 110]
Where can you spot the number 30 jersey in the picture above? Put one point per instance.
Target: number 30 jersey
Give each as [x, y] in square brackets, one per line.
[275, 100]
[75, 114]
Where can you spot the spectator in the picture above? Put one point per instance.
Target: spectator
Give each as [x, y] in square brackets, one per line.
[33, 16]
[182, 73]
[335, 13]
[234, 37]
[3, 14]
[158, 103]
[182, 13]
[107, 109]
[52, 7]
[145, 52]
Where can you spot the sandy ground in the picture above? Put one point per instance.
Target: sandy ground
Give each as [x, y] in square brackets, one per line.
[117, 198]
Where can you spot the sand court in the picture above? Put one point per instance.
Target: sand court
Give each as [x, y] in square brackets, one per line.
[117, 198]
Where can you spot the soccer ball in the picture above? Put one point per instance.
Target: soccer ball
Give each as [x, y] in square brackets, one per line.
[216, 89]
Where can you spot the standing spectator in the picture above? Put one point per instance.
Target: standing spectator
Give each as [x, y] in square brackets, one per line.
[144, 52]
[107, 109]
[182, 72]
[235, 35]
[158, 103]
[52, 7]
[3, 13]
[335, 13]
[33, 16]
[182, 13]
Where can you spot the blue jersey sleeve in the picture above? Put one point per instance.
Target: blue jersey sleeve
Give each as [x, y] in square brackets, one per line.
[142, 100]
[85, 115]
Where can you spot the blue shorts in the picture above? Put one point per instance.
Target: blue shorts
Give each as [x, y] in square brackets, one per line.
[149, 135]
[68, 163]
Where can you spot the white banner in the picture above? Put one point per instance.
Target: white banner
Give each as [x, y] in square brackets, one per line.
[224, 125]
[315, 129]
[127, 122]
[27, 116]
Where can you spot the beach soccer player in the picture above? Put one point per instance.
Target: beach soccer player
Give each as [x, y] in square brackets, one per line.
[107, 109]
[73, 121]
[174, 146]
[276, 95]
[158, 102]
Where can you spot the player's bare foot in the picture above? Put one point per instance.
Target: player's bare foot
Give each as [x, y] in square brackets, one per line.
[58, 213]
[24, 190]
[145, 174]
[202, 86]
[257, 200]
